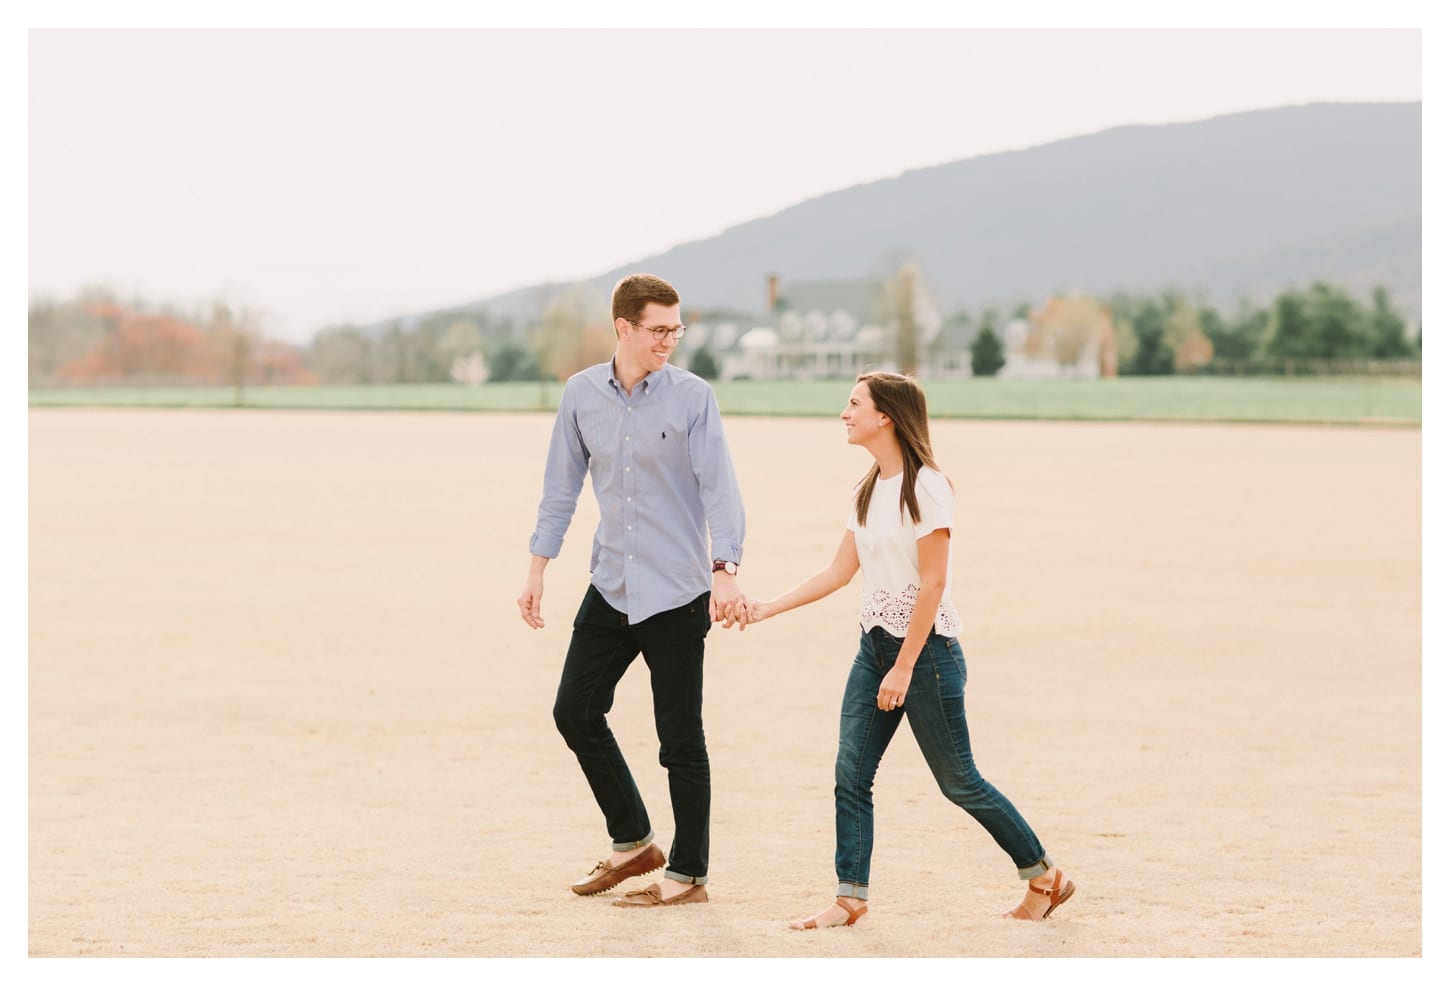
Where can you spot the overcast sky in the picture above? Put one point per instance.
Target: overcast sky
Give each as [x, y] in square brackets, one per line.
[324, 176]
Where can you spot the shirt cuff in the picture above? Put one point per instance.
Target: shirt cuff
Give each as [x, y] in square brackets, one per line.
[726, 552]
[545, 545]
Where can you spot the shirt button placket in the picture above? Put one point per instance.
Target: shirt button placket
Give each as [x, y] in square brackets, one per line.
[630, 579]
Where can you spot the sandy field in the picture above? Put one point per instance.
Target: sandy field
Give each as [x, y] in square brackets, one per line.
[281, 702]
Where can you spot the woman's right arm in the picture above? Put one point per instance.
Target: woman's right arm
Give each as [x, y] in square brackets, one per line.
[835, 575]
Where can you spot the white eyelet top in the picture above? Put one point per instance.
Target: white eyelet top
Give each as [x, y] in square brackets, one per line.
[886, 548]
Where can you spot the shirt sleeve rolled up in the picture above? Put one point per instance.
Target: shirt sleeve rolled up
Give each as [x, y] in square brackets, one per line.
[719, 490]
[564, 470]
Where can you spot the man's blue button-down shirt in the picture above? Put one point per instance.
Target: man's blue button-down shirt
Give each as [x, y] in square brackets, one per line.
[661, 473]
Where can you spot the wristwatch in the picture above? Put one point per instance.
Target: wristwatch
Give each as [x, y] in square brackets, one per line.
[728, 567]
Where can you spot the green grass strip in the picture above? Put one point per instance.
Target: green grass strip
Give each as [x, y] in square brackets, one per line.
[1300, 400]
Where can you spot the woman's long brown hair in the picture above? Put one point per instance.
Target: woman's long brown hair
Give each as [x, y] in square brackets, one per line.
[902, 400]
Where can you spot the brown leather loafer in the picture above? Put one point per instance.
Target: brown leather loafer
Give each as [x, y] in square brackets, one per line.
[605, 877]
[650, 897]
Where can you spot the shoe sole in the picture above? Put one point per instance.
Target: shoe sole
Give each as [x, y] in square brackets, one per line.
[1067, 893]
[855, 925]
[672, 902]
[609, 887]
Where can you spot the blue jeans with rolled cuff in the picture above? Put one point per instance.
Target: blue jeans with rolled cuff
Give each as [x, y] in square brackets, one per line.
[935, 711]
[602, 648]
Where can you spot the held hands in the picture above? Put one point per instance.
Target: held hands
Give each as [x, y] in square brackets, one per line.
[745, 612]
[728, 605]
[892, 693]
[752, 611]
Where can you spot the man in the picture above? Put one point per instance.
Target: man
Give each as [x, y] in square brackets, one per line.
[650, 437]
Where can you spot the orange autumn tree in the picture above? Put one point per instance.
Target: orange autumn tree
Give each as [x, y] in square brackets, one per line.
[162, 348]
[143, 348]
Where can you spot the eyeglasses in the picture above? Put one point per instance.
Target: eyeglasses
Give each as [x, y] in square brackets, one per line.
[660, 332]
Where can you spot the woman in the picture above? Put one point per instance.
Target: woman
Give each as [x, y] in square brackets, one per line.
[909, 662]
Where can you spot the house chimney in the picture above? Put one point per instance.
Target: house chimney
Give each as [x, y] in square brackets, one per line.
[772, 292]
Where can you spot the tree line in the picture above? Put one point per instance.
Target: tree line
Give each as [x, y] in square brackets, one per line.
[1310, 330]
[97, 338]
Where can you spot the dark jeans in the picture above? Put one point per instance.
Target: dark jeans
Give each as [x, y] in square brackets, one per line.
[934, 708]
[601, 650]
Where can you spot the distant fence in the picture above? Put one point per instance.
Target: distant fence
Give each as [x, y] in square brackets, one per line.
[1312, 368]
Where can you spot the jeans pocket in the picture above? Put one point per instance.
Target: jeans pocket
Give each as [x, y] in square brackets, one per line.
[885, 649]
[692, 620]
[581, 618]
[956, 657]
[701, 611]
[955, 649]
[942, 659]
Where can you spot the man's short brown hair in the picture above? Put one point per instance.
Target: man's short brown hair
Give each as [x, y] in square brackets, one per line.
[632, 293]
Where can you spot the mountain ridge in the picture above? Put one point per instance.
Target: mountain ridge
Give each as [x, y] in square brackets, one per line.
[1237, 205]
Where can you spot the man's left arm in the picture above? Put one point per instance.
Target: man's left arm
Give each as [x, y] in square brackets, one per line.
[724, 510]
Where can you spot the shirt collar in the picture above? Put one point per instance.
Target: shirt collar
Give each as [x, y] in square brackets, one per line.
[651, 381]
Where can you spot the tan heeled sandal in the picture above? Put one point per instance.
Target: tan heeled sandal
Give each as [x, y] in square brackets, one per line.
[853, 914]
[1057, 895]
